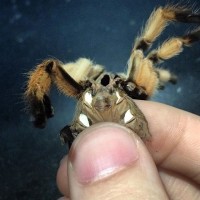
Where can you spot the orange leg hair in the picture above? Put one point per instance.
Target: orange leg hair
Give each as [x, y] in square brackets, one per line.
[159, 19]
[141, 70]
[142, 73]
[53, 71]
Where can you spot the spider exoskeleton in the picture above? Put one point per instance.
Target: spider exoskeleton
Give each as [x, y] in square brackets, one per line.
[104, 96]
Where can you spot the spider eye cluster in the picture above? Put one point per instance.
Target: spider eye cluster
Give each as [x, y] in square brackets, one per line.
[105, 80]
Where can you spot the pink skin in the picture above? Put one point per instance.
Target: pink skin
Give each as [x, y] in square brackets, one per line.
[115, 153]
[174, 148]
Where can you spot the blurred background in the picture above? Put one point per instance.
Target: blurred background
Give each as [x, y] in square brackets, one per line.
[103, 31]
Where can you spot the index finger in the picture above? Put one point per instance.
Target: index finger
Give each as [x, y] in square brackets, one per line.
[175, 143]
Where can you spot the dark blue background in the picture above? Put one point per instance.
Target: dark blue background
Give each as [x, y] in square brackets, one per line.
[102, 30]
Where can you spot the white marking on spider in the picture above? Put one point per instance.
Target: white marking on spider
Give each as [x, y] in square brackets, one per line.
[88, 98]
[118, 97]
[128, 116]
[84, 120]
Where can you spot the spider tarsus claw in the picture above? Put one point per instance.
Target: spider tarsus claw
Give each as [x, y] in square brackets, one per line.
[66, 136]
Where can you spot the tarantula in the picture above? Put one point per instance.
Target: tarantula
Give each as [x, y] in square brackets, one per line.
[104, 96]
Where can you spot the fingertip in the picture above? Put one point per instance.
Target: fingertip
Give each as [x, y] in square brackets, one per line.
[101, 150]
[175, 138]
[108, 157]
[62, 177]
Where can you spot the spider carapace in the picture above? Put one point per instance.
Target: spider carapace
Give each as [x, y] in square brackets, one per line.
[104, 96]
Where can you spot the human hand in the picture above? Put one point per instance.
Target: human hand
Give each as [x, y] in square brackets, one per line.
[108, 161]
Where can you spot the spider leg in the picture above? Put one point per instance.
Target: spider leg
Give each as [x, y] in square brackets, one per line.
[66, 136]
[159, 19]
[83, 69]
[169, 49]
[165, 76]
[173, 46]
[38, 87]
[142, 79]
[153, 28]
[142, 72]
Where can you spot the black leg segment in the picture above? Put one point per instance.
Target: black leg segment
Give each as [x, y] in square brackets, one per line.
[66, 136]
[40, 110]
[194, 36]
[187, 17]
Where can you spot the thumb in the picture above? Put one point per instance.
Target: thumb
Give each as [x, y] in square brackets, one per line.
[108, 161]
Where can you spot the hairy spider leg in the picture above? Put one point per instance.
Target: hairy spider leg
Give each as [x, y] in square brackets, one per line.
[38, 87]
[141, 70]
[83, 69]
[169, 49]
[173, 46]
[39, 105]
[66, 136]
[159, 19]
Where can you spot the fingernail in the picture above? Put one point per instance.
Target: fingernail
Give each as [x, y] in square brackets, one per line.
[103, 152]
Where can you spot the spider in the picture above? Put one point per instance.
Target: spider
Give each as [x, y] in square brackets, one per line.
[104, 96]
